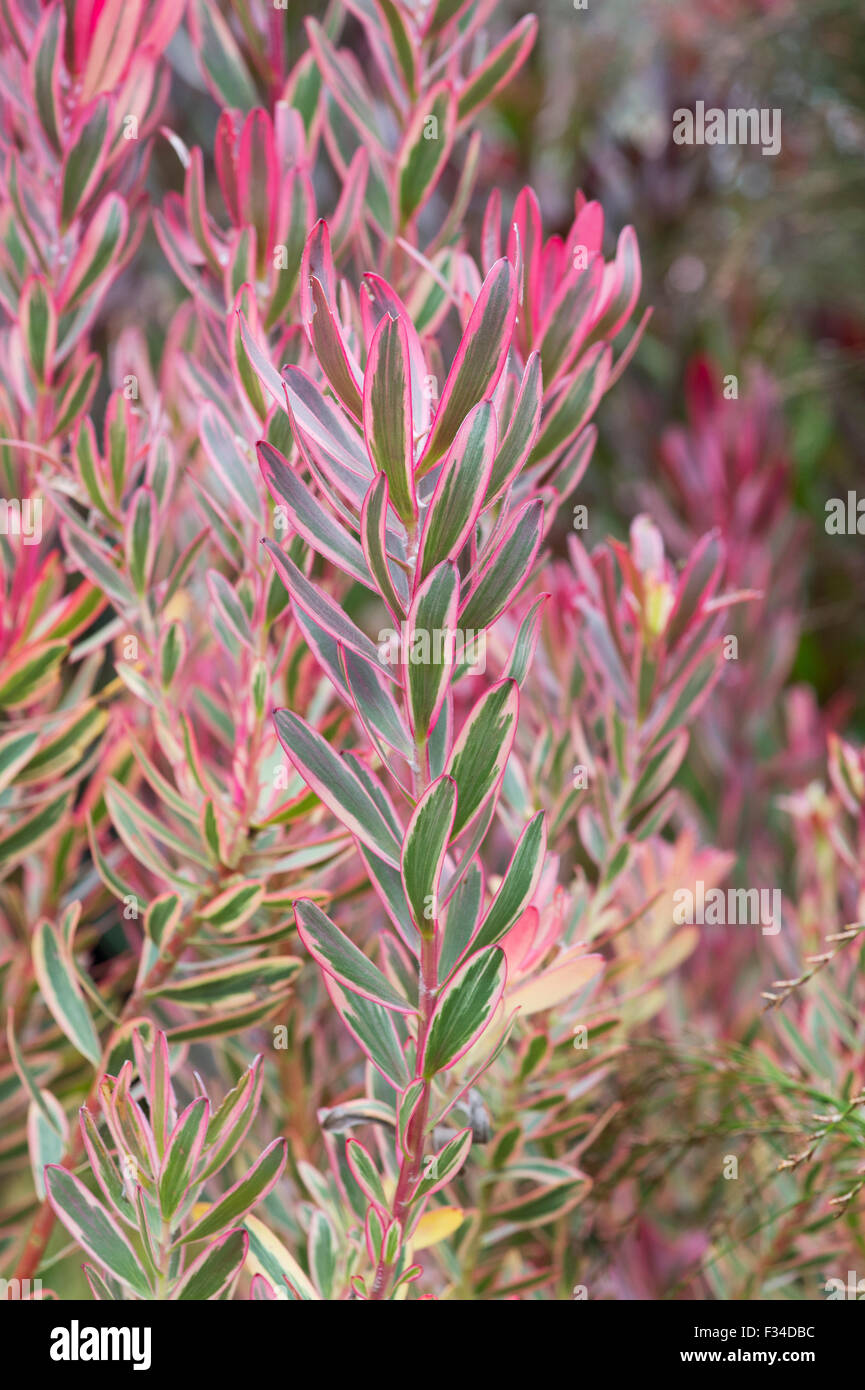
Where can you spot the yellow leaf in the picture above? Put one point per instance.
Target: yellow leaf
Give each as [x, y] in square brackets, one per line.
[437, 1225]
[561, 981]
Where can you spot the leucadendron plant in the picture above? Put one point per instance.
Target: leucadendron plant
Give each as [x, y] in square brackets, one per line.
[324, 740]
[438, 506]
[148, 1229]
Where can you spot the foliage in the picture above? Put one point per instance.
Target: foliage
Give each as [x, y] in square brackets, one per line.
[341, 773]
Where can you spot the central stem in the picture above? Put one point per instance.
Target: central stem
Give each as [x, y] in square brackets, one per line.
[410, 1167]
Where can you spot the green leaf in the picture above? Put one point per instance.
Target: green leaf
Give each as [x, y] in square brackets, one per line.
[184, 1148]
[15, 751]
[339, 956]
[230, 984]
[464, 1009]
[514, 448]
[431, 640]
[573, 406]
[497, 70]
[322, 1253]
[162, 919]
[244, 1194]
[445, 1165]
[426, 148]
[375, 706]
[88, 1222]
[338, 787]
[46, 1138]
[373, 1027]
[234, 906]
[519, 883]
[463, 911]
[460, 489]
[37, 317]
[366, 1173]
[141, 538]
[61, 992]
[424, 850]
[209, 1275]
[479, 756]
[83, 163]
[28, 677]
[217, 51]
[506, 570]
[387, 413]
[46, 67]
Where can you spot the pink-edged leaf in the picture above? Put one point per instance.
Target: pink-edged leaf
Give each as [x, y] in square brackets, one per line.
[518, 884]
[479, 360]
[375, 706]
[465, 1007]
[431, 641]
[374, 1028]
[258, 183]
[339, 957]
[337, 785]
[446, 1165]
[37, 318]
[219, 57]
[460, 490]
[621, 286]
[45, 67]
[84, 160]
[387, 413]
[497, 68]
[98, 254]
[506, 569]
[324, 424]
[568, 320]
[576, 401]
[139, 538]
[110, 47]
[346, 83]
[307, 516]
[215, 1269]
[480, 754]
[377, 300]
[424, 849]
[184, 1148]
[227, 457]
[525, 243]
[321, 607]
[425, 149]
[373, 539]
[94, 1228]
[237, 1201]
[521, 433]
[332, 353]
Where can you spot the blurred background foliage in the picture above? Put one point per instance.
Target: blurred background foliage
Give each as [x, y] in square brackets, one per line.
[755, 263]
